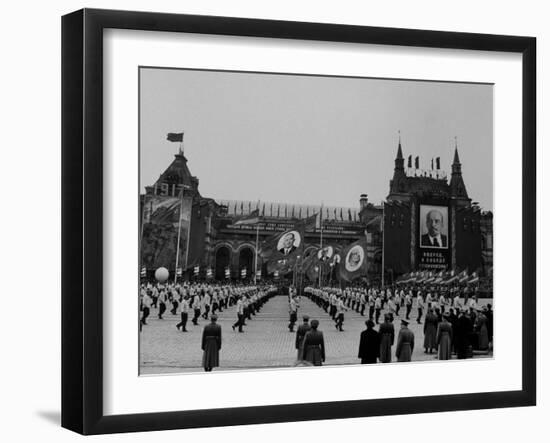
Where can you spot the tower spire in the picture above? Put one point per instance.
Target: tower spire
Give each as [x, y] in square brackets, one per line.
[399, 150]
[456, 160]
[458, 189]
[399, 170]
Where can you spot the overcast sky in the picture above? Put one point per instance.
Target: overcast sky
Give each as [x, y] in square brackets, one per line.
[310, 139]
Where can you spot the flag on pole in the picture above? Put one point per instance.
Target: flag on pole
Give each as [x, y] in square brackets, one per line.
[249, 219]
[354, 261]
[175, 137]
[306, 223]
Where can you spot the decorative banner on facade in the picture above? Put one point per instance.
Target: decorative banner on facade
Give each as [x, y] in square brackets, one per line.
[433, 238]
[208, 272]
[282, 250]
[354, 263]
[161, 222]
[434, 227]
[227, 273]
[196, 270]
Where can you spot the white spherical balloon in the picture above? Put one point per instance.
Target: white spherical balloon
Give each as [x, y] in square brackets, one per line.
[161, 274]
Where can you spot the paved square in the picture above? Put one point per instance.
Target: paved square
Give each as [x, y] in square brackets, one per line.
[266, 342]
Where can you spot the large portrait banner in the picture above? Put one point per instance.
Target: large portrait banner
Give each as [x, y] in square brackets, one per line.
[433, 237]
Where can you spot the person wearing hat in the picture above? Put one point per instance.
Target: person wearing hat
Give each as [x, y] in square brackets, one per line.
[387, 338]
[480, 327]
[462, 334]
[444, 338]
[314, 345]
[211, 344]
[369, 344]
[300, 334]
[430, 331]
[405, 343]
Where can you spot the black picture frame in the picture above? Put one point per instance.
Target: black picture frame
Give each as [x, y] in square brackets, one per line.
[82, 218]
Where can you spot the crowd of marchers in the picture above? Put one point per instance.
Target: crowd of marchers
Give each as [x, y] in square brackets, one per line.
[453, 322]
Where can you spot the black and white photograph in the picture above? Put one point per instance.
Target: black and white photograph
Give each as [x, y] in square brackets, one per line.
[298, 220]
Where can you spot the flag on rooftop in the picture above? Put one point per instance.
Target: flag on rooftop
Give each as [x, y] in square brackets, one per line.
[249, 219]
[175, 137]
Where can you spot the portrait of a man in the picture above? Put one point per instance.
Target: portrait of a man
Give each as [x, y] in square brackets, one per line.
[355, 258]
[288, 243]
[433, 227]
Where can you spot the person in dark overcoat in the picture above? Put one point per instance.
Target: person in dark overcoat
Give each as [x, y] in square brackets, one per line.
[314, 345]
[482, 331]
[211, 344]
[405, 343]
[462, 335]
[300, 334]
[430, 330]
[489, 315]
[387, 338]
[444, 338]
[453, 320]
[369, 344]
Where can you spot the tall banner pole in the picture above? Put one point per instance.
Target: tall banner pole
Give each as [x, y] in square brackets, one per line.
[383, 241]
[256, 258]
[188, 237]
[179, 221]
[179, 237]
[321, 243]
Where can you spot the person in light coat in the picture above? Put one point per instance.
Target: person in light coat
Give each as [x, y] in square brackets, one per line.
[314, 345]
[405, 343]
[444, 339]
[430, 331]
[387, 338]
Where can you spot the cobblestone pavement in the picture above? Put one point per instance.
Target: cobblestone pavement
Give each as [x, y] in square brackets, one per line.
[266, 341]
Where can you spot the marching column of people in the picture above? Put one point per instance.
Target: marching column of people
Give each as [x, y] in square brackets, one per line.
[454, 324]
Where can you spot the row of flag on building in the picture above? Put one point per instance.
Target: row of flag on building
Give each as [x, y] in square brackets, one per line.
[438, 278]
[417, 162]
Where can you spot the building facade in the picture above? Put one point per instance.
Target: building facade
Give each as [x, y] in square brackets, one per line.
[181, 229]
